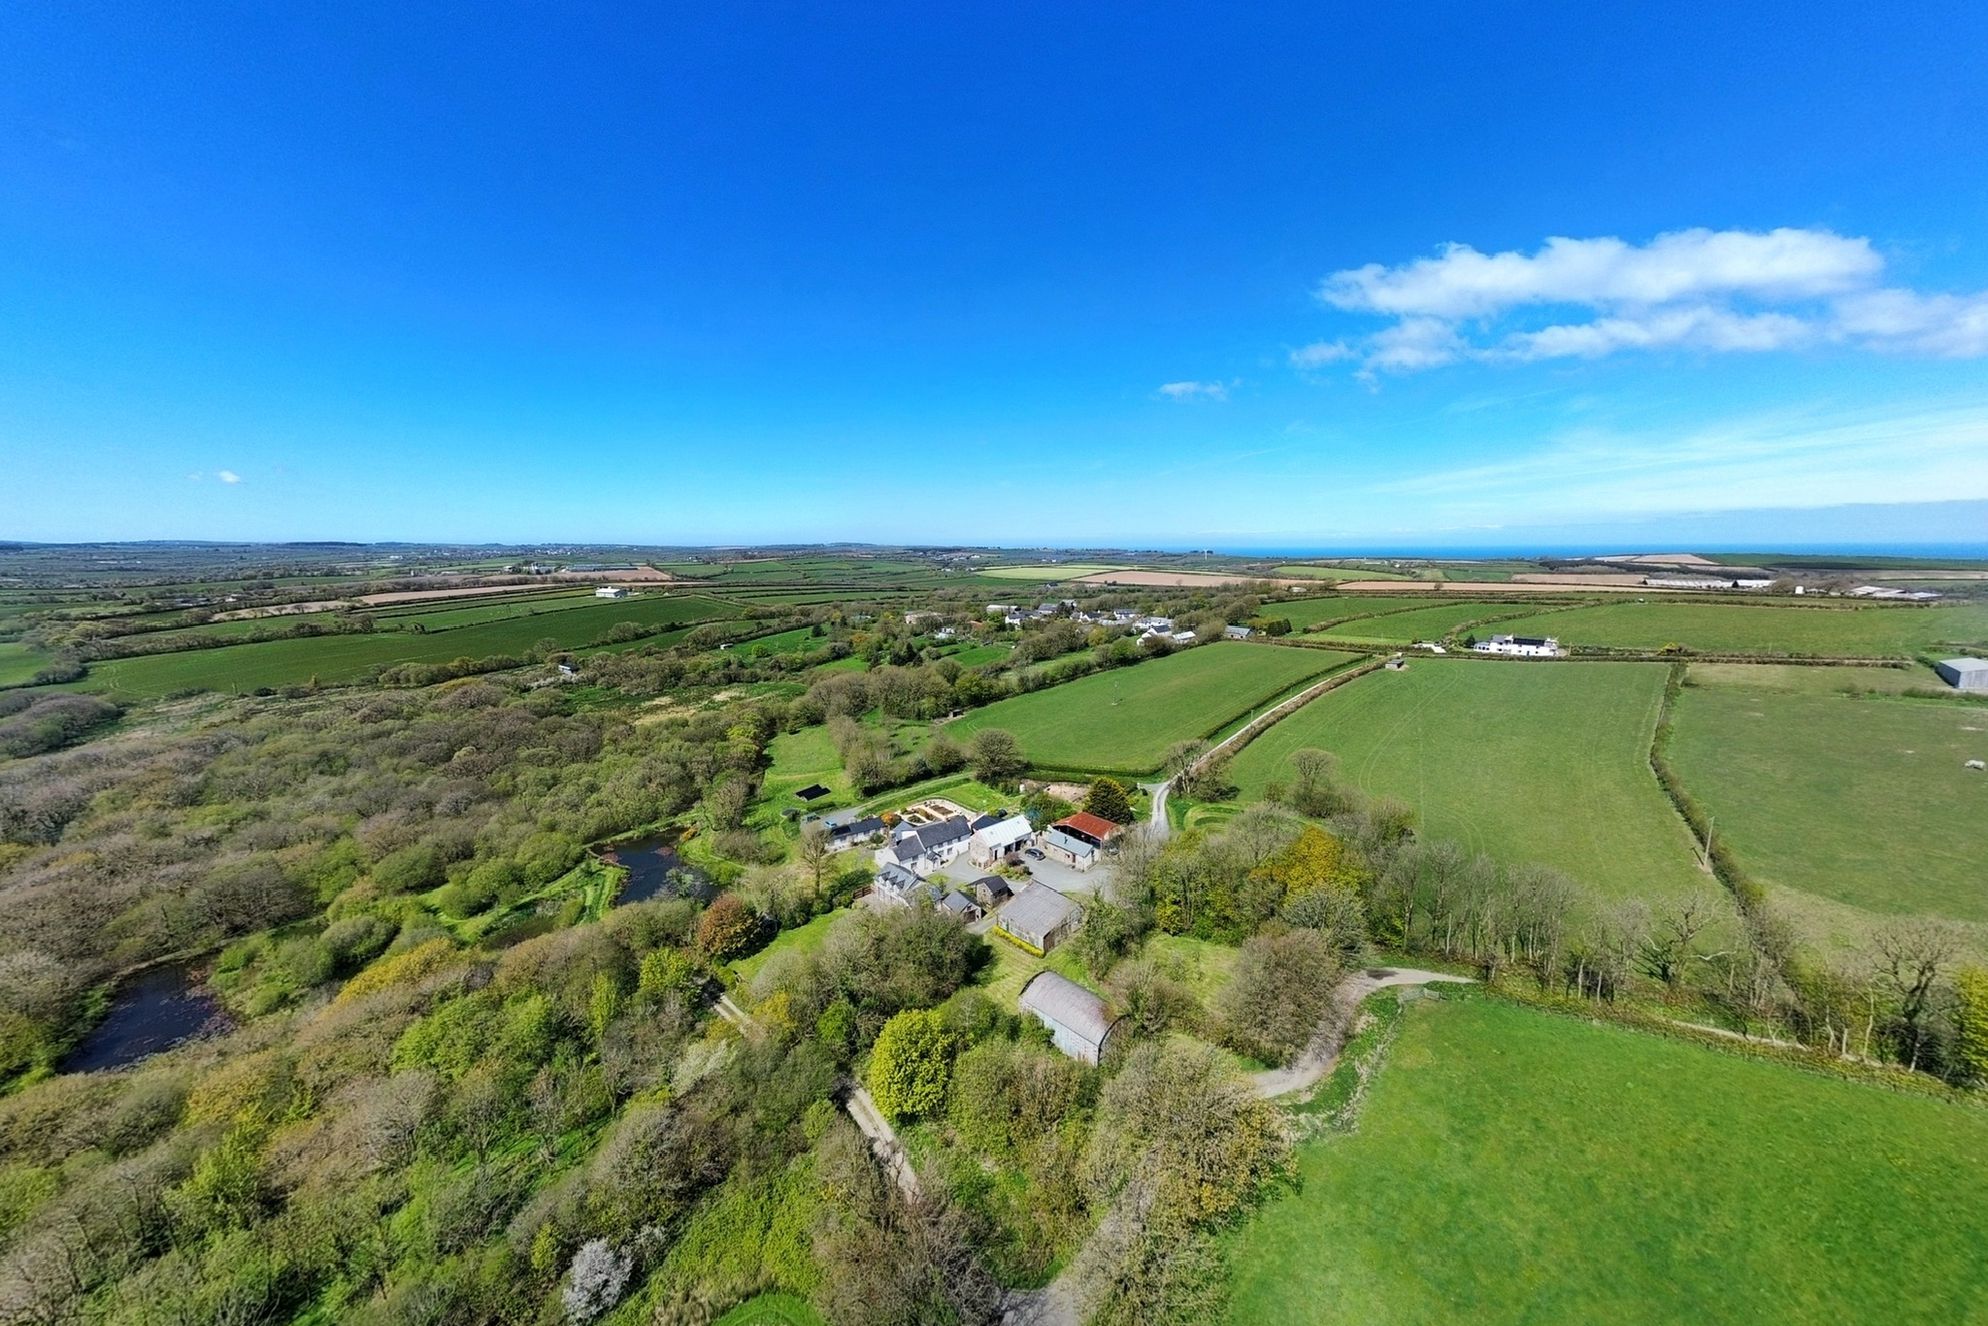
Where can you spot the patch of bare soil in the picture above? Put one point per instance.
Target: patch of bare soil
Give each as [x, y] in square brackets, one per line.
[281, 610]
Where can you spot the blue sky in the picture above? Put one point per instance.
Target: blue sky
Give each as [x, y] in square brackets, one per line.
[1016, 274]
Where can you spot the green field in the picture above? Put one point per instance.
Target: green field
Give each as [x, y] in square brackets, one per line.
[979, 656]
[1309, 612]
[1430, 623]
[1543, 763]
[1063, 572]
[773, 1310]
[1122, 721]
[1813, 680]
[18, 663]
[1336, 574]
[1511, 1166]
[1859, 801]
[334, 659]
[1741, 628]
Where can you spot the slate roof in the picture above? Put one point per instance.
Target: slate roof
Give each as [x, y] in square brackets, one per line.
[1070, 843]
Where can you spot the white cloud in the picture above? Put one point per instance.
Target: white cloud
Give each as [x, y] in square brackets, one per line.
[1189, 391]
[1320, 353]
[227, 476]
[1687, 264]
[1709, 291]
[1698, 327]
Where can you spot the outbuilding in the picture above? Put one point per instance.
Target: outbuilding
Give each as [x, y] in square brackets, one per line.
[1038, 919]
[1080, 1023]
[994, 841]
[1964, 674]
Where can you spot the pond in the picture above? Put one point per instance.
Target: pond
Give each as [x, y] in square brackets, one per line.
[656, 871]
[155, 1010]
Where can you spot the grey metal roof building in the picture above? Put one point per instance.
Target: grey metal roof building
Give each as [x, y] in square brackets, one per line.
[1964, 674]
[1039, 918]
[1079, 1023]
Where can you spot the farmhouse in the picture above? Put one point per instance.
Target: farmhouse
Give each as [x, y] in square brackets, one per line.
[1236, 633]
[1964, 674]
[1038, 919]
[925, 850]
[896, 884]
[611, 592]
[1079, 1023]
[1520, 646]
[995, 841]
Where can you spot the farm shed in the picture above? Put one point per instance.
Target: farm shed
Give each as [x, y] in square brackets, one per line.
[610, 592]
[1964, 674]
[1039, 918]
[957, 905]
[1070, 849]
[991, 890]
[1094, 827]
[1079, 1023]
[995, 841]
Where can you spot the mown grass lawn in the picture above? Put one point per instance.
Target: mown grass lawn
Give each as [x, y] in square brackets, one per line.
[1743, 628]
[1511, 1166]
[335, 659]
[1862, 801]
[1123, 721]
[1542, 763]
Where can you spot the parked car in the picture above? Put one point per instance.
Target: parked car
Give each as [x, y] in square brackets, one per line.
[1033, 853]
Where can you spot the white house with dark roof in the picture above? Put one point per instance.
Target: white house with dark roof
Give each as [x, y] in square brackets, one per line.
[1520, 646]
[1080, 1023]
[923, 850]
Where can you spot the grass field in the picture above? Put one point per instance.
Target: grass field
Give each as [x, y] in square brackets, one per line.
[1811, 680]
[1742, 628]
[1514, 1167]
[18, 663]
[1310, 612]
[1124, 720]
[801, 939]
[1430, 623]
[773, 1310]
[1335, 574]
[1039, 573]
[1859, 801]
[334, 659]
[1542, 763]
[979, 656]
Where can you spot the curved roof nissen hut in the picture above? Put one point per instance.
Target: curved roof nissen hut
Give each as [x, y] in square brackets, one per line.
[1079, 1023]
